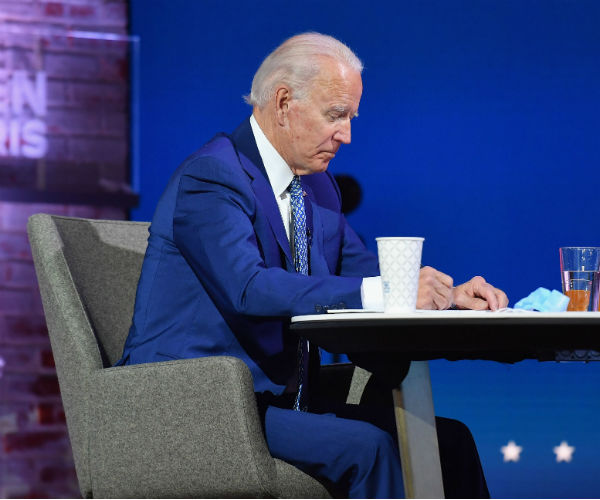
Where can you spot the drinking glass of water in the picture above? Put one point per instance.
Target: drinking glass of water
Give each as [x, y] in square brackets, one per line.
[580, 272]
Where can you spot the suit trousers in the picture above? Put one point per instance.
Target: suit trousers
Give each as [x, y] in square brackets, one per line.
[353, 449]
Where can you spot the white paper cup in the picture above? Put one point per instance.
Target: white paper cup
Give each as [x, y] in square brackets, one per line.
[399, 264]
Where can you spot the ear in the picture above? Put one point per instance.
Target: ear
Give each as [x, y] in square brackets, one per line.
[283, 96]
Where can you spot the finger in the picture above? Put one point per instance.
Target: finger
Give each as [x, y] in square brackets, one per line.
[442, 298]
[426, 271]
[445, 280]
[484, 290]
[424, 300]
[424, 294]
[430, 275]
[496, 298]
[488, 293]
[435, 289]
[477, 304]
[502, 298]
[444, 291]
[441, 303]
[441, 284]
[428, 298]
[466, 301]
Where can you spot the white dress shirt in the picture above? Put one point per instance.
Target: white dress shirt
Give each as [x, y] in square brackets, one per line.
[280, 175]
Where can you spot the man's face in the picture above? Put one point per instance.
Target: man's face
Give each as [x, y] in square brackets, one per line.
[318, 124]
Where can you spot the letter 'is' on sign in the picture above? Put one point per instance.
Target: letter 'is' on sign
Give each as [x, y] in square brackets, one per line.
[22, 125]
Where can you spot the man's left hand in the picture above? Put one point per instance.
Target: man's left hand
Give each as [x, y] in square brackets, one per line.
[478, 294]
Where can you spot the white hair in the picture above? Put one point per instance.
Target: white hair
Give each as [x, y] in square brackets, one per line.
[295, 63]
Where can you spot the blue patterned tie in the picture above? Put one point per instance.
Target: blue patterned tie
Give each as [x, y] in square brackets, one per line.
[299, 224]
[301, 265]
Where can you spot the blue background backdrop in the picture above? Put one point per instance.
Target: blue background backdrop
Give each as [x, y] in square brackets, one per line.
[478, 129]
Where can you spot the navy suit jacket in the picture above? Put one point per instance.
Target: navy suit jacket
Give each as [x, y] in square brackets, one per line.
[218, 276]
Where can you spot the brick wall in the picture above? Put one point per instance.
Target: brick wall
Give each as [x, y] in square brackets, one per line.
[84, 139]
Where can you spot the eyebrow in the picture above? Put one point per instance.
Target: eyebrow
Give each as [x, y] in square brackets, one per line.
[342, 110]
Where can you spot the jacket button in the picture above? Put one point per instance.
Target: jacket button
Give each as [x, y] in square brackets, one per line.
[319, 308]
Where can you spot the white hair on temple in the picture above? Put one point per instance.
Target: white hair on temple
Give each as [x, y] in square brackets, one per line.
[295, 63]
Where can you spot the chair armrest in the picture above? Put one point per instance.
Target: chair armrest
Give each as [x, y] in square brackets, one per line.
[185, 428]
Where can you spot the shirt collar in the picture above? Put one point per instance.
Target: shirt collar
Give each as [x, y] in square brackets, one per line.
[279, 173]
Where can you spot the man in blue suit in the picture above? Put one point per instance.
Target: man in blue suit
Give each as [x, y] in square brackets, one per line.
[225, 269]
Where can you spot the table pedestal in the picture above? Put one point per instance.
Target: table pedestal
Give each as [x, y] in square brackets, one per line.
[417, 436]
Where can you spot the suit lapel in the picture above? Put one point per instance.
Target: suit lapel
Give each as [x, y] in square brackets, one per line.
[243, 140]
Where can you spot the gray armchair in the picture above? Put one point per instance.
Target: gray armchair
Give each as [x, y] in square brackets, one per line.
[187, 428]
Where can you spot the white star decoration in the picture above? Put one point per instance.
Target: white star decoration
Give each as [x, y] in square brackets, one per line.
[564, 452]
[511, 452]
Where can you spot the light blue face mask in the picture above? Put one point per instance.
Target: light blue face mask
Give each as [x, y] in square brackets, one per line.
[544, 300]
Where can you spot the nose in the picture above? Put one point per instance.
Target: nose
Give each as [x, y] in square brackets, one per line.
[343, 132]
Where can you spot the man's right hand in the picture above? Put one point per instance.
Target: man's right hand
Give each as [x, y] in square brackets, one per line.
[435, 289]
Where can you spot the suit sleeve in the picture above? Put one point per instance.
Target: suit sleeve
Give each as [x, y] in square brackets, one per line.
[213, 229]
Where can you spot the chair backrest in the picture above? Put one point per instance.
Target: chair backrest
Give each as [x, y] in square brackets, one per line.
[87, 272]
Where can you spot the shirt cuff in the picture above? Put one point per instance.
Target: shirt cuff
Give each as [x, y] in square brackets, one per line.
[371, 293]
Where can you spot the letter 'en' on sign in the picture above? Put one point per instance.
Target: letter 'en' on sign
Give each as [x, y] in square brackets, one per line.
[22, 127]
